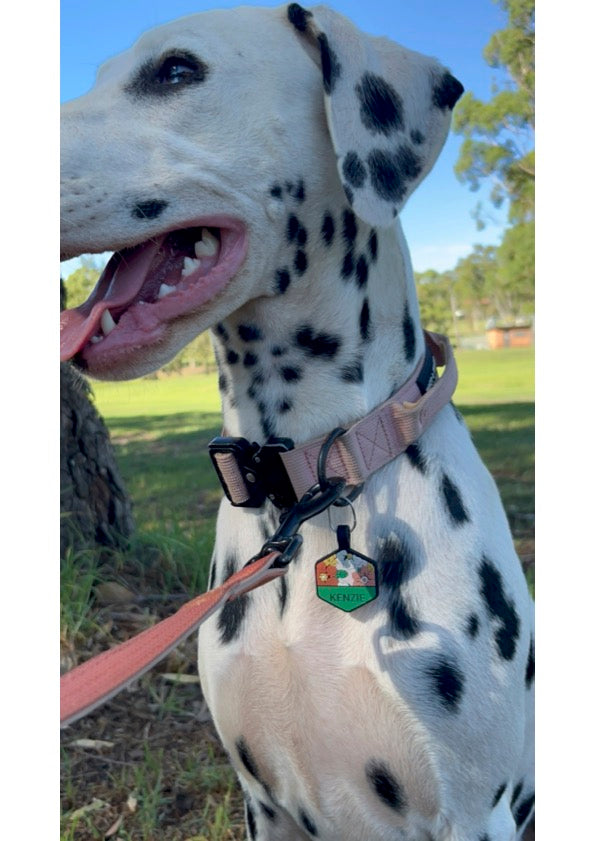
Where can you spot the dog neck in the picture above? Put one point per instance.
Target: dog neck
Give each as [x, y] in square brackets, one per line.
[332, 343]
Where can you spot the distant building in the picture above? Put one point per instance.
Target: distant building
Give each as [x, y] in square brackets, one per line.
[510, 335]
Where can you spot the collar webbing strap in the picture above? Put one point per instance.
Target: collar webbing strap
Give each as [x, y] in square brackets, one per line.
[368, 444]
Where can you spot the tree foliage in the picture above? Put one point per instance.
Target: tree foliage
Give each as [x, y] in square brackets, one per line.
[499, 142]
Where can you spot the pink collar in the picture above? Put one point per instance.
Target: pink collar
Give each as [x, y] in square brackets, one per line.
[283, 473]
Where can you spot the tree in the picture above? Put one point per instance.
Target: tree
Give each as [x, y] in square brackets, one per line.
[94, 506]
[476, 283]
[79, 284]
[499, 139]
[434, 291]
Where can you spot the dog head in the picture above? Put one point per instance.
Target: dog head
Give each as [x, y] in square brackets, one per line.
[180, 157]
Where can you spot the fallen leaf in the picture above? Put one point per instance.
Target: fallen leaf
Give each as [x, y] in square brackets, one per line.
[110, 592]
[174, 677]
[94, 806]
[132, 803]
[92, 744]
[114, 827]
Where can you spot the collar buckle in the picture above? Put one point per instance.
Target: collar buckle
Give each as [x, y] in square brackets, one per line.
[251, 474]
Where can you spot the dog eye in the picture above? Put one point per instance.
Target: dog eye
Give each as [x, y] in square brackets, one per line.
[176, 70]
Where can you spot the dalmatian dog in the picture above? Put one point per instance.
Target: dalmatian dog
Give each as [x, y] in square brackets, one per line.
[248, 167]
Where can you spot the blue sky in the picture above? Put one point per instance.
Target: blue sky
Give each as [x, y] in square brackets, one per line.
[437, 219]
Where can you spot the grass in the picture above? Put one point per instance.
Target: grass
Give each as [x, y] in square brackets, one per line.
[152, 767]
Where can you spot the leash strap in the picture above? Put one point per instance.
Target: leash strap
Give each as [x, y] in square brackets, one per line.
[97, 680]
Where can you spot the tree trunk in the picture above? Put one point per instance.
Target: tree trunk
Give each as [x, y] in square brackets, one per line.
[95, 508]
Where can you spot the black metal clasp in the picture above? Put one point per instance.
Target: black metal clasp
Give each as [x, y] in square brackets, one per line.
[286, 539]
[261, 469]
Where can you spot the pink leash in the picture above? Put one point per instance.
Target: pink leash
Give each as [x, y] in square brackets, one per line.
[97, 680]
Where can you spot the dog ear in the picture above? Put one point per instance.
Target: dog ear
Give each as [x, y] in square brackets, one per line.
[388, 110]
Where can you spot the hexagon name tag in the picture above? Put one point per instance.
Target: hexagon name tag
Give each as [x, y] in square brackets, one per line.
[346, 579]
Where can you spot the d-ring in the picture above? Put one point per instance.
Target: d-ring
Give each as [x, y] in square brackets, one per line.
[347, 498]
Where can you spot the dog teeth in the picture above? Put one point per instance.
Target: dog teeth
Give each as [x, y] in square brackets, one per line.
[107, 322]
[164, 290]
[190, 265]
[95, 339]
[206, 246]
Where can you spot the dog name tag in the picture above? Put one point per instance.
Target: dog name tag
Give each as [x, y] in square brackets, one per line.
[345, 578]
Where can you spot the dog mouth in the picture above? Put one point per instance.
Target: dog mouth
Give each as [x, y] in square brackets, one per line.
[147, 286]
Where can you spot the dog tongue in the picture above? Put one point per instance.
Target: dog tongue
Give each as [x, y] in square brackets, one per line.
[120, 282]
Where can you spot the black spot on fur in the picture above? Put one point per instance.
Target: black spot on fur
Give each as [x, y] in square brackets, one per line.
[485, 837]
[222, 332]
[231, 615]
[454, 503]
[276, 191]
[361, 271]
[416, 457]
[498, 795]
[499, 608]
[250, 359]
[213, 574]
[255, 383]
[391, 171]
[249, 762]
[524, 810]
[331, 68]
[381, 109]
[249, 333]
[149, 209]
[416, 137]
[298, 16]
[447, 92]
[353, 372]
[408, 335]
[300, 262]
[472, 627]
[232, 357]
[348, 266]
[349, 227]
[530, 670]
[278, 351]
[373, 245]
[396, 564]
[282, 594]
[308, 823]
[267, 423]
[250, 822]
[328, 229]
[317, 344]
[270, 813]
[354, 170]
[282, 280]
[348, 194]
[364, 321]
[293, 226]
[284, 406]
[385, 785]
[516, 793]
[223, 384]
[291, 375]
[297, 191]
[448, 682]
